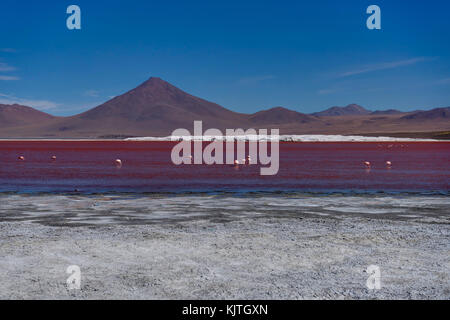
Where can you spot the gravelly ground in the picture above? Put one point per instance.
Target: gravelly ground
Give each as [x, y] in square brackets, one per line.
[299, 257]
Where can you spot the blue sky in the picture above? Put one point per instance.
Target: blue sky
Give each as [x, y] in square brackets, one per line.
[244, 55]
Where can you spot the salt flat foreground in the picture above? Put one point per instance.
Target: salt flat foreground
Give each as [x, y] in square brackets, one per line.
[254, 256]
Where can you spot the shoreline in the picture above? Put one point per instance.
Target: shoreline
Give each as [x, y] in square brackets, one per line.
[369, 137]
[210, 139]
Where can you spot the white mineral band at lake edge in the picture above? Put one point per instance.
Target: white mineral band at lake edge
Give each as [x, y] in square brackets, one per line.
[284, 138]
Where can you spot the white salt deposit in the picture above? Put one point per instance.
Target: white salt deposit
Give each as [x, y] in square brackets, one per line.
[293, 138]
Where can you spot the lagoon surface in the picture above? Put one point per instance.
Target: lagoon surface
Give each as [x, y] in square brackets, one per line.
[88, 167]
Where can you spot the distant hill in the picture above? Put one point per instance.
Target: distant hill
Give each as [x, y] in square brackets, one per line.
[280, 115]
[13, 115]
[435, 114]
[351, 109]
[156, 108]
[384, 112]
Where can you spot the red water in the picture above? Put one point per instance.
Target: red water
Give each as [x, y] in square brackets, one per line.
[88, 167]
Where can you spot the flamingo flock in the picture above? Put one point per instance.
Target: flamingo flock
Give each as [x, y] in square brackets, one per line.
[118, 162]
[368, 165]
[22, 158]
[244, 161]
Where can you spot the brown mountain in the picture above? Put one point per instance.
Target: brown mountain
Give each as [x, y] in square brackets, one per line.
[156, 108]
[351, 109]
[153, 108]
[13, 115]
[435, 114]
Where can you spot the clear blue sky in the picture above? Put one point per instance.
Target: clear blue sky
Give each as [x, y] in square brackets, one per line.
[244, 55]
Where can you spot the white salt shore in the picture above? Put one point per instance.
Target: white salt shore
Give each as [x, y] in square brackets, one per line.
[216, 247]
[292, 138]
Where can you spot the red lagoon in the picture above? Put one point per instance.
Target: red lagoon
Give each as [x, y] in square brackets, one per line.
[91, 167]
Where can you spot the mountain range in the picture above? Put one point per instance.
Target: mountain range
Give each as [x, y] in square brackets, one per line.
[156, 108]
